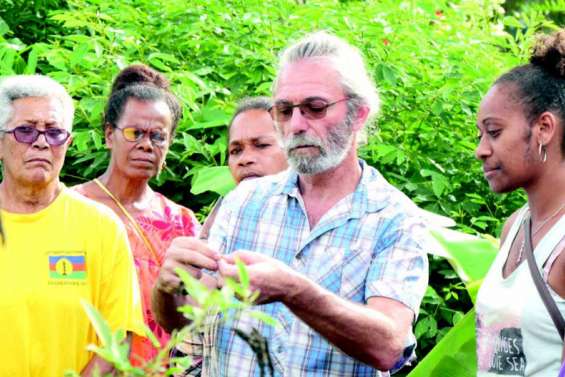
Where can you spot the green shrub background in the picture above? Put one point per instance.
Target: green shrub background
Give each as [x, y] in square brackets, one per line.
[432, 61]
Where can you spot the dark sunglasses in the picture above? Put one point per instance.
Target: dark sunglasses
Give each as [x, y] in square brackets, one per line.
[134, 135]
[28, 135]
[310, 108]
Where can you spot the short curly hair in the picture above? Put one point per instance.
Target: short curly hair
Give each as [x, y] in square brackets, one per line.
[23, 86]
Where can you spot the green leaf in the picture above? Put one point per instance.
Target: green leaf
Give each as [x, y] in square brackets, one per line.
[217, 179]
[31, 62]
[149, 334]
[388, 73]
[234, 286]
[242, 274]
[80, 141]
[210, 117]
[103, 352]
[455, 355]
[470, 256]
[263, 317]
[195, 288]
[79, 52]
[4, 28]
[426, 325]
[57, 59]
[120, 350]
[457, 316]
[100, 325]
[439, 184]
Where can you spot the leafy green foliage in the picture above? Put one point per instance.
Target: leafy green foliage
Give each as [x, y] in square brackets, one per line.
[454, 349]
[29, 19]
[432, 61]
[234, 297]
[454, 355]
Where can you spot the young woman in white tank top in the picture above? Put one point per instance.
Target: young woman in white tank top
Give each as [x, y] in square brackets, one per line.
[521, 125]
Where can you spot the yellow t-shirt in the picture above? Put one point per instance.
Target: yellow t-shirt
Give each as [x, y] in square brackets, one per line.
[74, 249]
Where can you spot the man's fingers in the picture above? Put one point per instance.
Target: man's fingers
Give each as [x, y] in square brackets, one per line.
[168, 283]
[168, 279]
[227, 270]
[220, 282]
[192, 252]
[193, 259]
[192, 243]
[247, 257]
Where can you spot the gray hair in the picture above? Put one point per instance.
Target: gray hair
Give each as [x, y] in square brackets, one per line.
[251, 103]
[346, 59]
[23, 86]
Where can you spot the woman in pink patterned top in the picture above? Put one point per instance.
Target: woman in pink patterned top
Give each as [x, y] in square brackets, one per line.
[139, 123]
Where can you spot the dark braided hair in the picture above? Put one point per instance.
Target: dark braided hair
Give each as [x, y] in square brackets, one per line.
[142, 83]
[541, 83]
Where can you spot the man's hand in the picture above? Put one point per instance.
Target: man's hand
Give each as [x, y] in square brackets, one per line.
[190, 254]
[274, 280]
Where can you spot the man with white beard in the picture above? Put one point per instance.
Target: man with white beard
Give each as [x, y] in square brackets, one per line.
[337, 254]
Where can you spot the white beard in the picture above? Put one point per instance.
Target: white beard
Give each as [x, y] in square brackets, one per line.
[332, 151]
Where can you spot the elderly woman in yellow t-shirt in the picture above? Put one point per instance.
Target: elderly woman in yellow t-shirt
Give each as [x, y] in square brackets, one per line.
[59, 248]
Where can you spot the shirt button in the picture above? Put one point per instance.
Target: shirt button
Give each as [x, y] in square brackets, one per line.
[280, 349]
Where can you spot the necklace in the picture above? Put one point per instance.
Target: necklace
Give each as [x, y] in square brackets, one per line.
[535, 231]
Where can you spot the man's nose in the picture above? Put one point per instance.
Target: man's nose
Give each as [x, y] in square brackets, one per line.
[297, 123]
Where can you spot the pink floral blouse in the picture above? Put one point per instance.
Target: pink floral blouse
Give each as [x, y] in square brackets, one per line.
[161, 221]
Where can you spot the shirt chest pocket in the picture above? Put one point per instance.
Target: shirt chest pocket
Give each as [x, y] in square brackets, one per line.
[341, 270]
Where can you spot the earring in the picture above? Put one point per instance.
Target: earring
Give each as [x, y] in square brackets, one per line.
[542, 151]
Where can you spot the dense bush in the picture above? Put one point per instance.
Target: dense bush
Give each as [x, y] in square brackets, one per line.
[432, 61]
[29, 19]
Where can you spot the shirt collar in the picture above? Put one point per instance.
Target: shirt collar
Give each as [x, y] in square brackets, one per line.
[361, 201]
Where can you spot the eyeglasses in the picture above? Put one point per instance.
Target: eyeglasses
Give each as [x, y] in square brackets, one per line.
[135, 135]
[29, 134]
[310, 108]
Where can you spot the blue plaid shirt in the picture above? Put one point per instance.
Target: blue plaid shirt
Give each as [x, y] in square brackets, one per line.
[372, 243]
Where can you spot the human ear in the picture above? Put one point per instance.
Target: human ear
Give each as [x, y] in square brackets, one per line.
[546, 127]
[361, 119]
[108, 132]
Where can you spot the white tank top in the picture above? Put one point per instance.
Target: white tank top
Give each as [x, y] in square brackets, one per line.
[515, 333]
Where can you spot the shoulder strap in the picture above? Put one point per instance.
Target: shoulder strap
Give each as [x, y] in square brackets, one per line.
[134, 223]
[548, 244]
[548, 301]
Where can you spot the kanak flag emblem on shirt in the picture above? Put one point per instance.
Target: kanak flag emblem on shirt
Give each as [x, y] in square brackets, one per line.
[67, 266]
